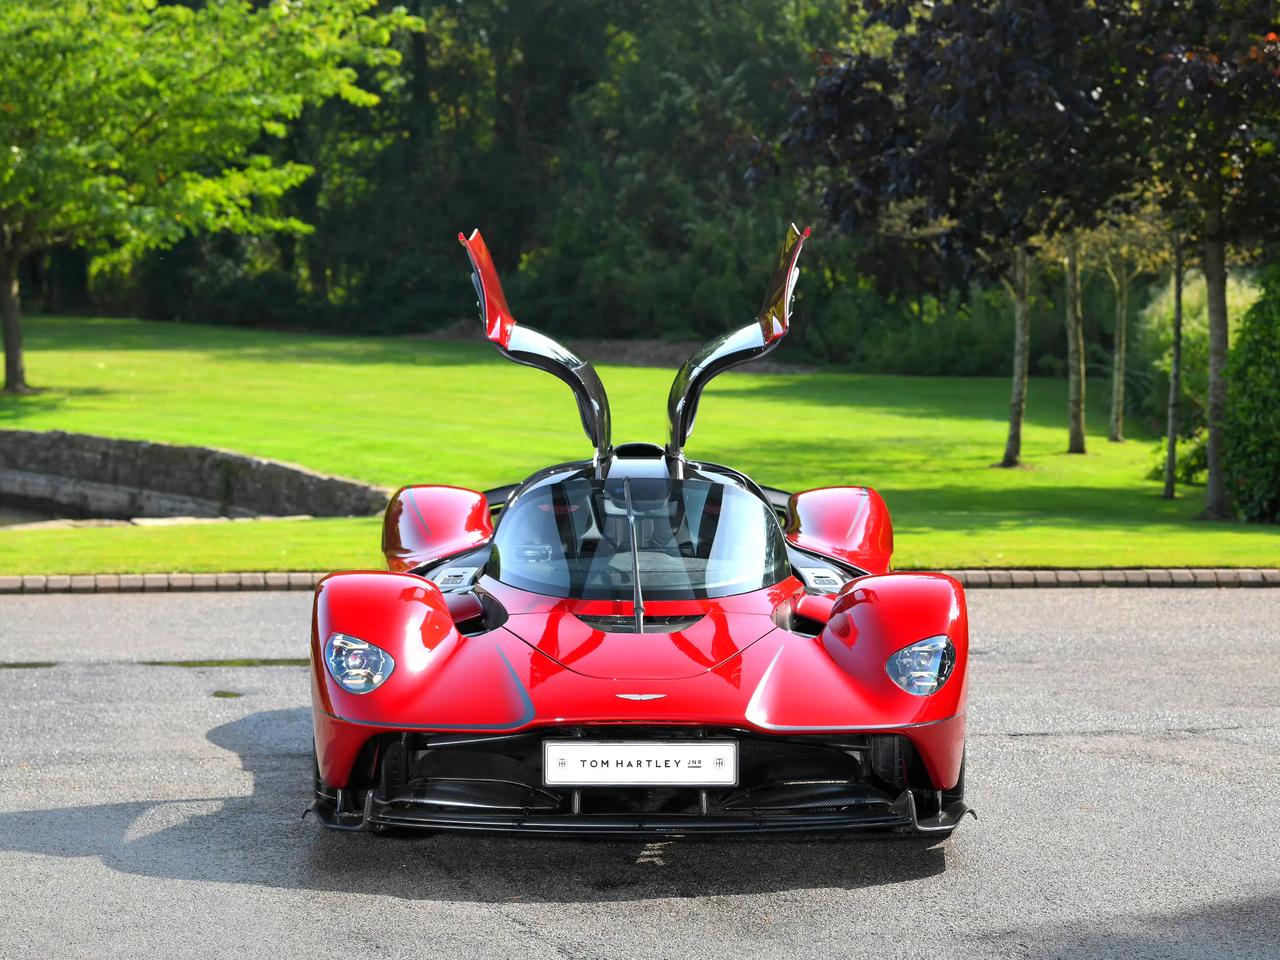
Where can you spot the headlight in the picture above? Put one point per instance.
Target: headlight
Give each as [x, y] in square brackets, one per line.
[922, 667]
[357, 666]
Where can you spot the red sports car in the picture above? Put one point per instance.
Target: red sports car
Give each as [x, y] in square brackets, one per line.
[639, 643]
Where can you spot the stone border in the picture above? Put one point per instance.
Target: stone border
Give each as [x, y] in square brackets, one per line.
[83, 475]
[158, 582]
[1142, 577]
[203, 582]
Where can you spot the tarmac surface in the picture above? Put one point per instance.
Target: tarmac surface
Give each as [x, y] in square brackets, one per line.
[1124, 759]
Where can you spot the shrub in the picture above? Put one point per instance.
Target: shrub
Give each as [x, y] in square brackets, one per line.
[1193, 458]
[1152, 348]
[1251, 434]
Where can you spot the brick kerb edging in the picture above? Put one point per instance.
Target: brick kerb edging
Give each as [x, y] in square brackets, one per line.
[201, 582]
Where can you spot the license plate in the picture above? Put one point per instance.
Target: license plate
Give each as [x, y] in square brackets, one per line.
[639, 763]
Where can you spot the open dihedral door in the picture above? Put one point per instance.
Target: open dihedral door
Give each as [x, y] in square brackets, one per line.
[526, 345]
[731, 349]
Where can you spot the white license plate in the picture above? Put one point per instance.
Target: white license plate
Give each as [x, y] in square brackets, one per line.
[639, 763]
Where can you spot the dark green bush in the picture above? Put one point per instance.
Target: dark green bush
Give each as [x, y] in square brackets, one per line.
[1252, 431]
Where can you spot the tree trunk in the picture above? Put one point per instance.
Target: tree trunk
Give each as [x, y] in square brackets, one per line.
[1117, 357]
[1175, 377]
[1217, 498]
[1020, 294]
[1075, 352]
[15, 374]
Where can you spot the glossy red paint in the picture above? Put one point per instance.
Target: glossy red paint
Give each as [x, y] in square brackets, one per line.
[850, 524]
[428, 523]
[546, 668]
[814, 607]
[498, 320]
[873, 618]
[710, 643]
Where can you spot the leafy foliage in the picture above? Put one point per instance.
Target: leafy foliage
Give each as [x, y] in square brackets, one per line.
[1252, 430]
[1192, 463]
[656, 227]
[917, 143]
[1202, 87]
[129, 125]
[1154, 338]
[928, 127]
[615, 155]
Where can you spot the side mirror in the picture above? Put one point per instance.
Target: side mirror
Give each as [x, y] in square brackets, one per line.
[424, 524]
[848, 524]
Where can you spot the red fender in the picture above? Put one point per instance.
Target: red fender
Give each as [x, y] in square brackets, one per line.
[408, 617]
[850, 524]
[424, 524]
[873, 618]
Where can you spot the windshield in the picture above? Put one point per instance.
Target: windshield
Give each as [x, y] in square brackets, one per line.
[695, 539]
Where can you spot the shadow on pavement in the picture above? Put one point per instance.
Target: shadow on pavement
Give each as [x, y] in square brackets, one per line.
[1235, 930]
[261, 839]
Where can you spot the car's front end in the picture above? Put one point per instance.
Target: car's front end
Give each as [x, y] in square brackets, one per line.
[530, 697]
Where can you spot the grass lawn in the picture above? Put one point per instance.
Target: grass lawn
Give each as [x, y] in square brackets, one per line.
[401, 410]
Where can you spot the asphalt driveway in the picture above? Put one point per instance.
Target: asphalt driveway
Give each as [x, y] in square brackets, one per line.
[1124, 760]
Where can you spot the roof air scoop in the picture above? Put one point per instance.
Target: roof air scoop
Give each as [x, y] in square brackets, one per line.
[527, 346]
[731, 349]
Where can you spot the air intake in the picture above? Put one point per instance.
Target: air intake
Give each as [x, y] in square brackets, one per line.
[628, 624]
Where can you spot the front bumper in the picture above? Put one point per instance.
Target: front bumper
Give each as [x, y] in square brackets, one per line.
[490, 782]
[379, 813]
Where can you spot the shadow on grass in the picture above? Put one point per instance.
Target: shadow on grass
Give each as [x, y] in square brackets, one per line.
[15, 408]
[846, 395]
[979, 486]
[1044, 505]
[53, 334]
[260, 839]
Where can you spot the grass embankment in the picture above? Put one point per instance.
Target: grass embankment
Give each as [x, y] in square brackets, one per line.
[395, 411]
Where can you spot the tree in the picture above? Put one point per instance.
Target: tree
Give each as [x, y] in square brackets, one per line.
[1203, 90]
[128, 125]
[602, 143]
[1175, 374]
[1126, 246]
[666, 238]
[1076, 383]
[1018, 286]
[1069, 249]
[937, 118]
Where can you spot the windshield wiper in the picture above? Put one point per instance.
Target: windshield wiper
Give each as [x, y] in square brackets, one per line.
[637, 598]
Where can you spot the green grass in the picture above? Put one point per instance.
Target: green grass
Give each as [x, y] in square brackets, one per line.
[395, 411]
